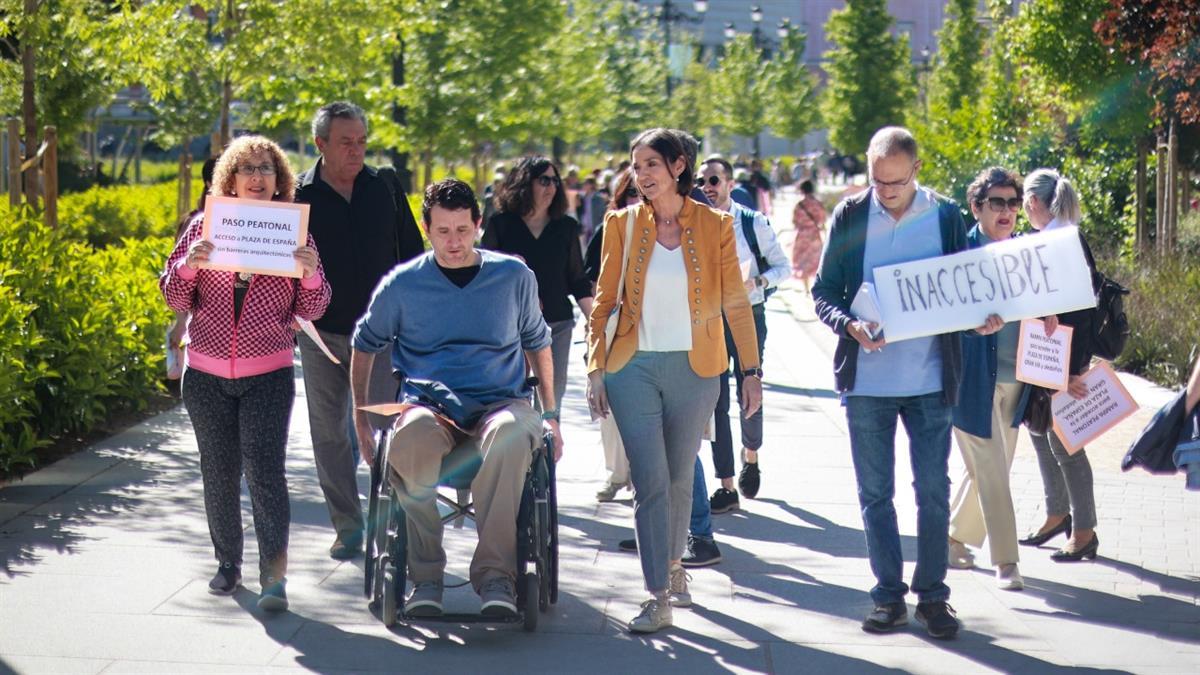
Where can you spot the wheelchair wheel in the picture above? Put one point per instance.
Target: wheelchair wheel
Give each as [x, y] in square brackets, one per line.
[389, 606]
[373, 538]
[531, 601]
[552, 552]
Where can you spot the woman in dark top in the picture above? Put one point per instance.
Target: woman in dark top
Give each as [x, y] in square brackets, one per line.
[532, 224]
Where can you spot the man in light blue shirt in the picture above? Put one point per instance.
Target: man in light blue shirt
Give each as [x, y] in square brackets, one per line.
[467, 319]
[915, 381]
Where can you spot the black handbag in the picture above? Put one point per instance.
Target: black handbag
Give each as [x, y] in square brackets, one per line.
[1038, 416]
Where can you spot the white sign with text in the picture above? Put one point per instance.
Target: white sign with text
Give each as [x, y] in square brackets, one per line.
[255, 236]
[1020, 278]
[1044, 360]
[1079, 422]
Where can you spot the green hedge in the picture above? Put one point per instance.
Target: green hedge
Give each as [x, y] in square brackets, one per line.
[1164, 314]
[81, 331]
[103, 216]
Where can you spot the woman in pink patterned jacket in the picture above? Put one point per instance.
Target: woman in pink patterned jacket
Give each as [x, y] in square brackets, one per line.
[238, 384]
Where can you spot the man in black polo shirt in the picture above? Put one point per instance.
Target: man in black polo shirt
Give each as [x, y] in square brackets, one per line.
[363, 226]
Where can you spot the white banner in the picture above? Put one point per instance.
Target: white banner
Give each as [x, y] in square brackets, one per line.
[1044, 360]
[255, 236]
[1019, 278]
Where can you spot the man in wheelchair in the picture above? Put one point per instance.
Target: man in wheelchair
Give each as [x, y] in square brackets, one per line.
[461, 323]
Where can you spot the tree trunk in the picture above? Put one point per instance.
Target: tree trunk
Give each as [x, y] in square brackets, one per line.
[400, 117]
[51, 159]
[120, 150]
[1141, 237]
[28, 105]
[185, 182]
[1172, 195]
[14, 161]
[137, 155]
[1185, 199]
[1160, 194]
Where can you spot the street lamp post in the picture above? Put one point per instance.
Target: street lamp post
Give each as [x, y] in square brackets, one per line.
[925, 54]
[670, 14]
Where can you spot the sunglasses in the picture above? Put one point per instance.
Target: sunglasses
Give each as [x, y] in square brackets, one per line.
[711, 180]
[546, 180]
[1000, 204]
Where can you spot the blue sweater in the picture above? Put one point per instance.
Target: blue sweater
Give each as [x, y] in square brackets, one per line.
[470, 339]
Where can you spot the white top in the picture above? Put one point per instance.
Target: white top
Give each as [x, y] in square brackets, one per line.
[768, 245]
[665, 326]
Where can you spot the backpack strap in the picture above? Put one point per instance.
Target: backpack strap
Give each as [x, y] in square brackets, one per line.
[747, 219]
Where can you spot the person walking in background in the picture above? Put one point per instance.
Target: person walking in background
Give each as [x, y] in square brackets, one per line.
[177, 331]
[985, 419]
[916, 380]
[532, 224]
[760, 254]
[809, 220]
[360, 219]
[660, 374]
[1051, 203]
[239, 393]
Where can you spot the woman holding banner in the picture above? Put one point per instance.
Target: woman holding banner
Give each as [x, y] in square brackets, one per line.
[1051, 202]
[238, 385]
[985, 419]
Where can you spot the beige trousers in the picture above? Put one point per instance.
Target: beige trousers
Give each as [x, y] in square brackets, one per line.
[983, 504]
[506, 437]
[615, 461]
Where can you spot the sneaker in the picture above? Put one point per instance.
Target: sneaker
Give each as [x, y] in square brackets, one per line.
[959, 556]
[226, 580]
[609, 491]
[749, 479]
[425, 599]
[346, 546]
[655, 616]
[886, 618]
[938, 618]
[1008, 577]
[701, 552]
[679, 595]
[628, 545]
[274, 595]
[499, 597]
[723, 501]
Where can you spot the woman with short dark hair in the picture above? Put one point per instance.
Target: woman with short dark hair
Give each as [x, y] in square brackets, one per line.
[532, 224]
[660, 372]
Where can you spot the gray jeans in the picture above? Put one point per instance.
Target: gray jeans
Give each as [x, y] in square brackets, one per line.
[327, 391]
[661, 406]
[560, 350]
[1067, 480]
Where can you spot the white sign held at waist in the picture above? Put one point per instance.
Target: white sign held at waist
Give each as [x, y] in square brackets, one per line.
[1020, 278]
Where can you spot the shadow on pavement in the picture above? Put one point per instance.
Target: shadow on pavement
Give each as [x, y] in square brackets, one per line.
[1160, 616]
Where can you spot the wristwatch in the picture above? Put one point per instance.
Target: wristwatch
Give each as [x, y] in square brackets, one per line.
[753, 372]
[550, 415]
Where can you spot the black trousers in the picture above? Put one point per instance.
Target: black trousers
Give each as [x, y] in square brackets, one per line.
[241, 426]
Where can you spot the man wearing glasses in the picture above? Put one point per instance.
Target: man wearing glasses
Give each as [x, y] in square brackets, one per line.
[915, 380]
[363, 227]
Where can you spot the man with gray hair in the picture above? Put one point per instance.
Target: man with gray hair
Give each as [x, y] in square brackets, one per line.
[360, 219]
[915, 380]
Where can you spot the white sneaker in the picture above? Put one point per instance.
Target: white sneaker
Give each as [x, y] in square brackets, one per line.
[655, 616]
[679, 595]
[1008, 577]
[960, 557]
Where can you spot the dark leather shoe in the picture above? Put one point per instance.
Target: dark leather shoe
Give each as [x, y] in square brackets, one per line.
[723, 501]
[886, 618]
[938, 618]
[1036, 539]
[701, 553]
[346, 546]
[749, 479]
[628, 545]
[1088, 551]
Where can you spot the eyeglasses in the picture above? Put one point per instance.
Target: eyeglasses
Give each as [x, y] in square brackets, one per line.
[999, 204]
[897, 183]
[546, 181]
[711, 180]
[261, 169]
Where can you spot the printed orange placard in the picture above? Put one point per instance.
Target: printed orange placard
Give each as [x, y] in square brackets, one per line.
[1078, 423]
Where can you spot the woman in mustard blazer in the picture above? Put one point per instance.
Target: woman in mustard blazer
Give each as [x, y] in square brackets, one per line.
[660, 374]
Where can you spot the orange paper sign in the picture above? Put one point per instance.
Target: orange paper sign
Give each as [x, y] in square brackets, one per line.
[1078, 423]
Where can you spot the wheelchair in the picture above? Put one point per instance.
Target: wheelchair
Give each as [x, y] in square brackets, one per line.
[386, 568]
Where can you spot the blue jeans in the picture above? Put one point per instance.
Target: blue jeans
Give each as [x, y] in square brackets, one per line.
[701, 524]
[872, 422]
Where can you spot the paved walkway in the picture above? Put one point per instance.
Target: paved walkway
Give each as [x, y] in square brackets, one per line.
[104, 559]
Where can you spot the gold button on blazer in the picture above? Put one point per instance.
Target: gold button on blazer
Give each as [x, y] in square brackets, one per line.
[714, 285]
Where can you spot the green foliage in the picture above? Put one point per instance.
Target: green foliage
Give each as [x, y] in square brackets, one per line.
[81, 333]
[870, 77]
[692, 105]
[956, 80]
[1161, 308]
[740, 108]
[104, 216]
[789, 90]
